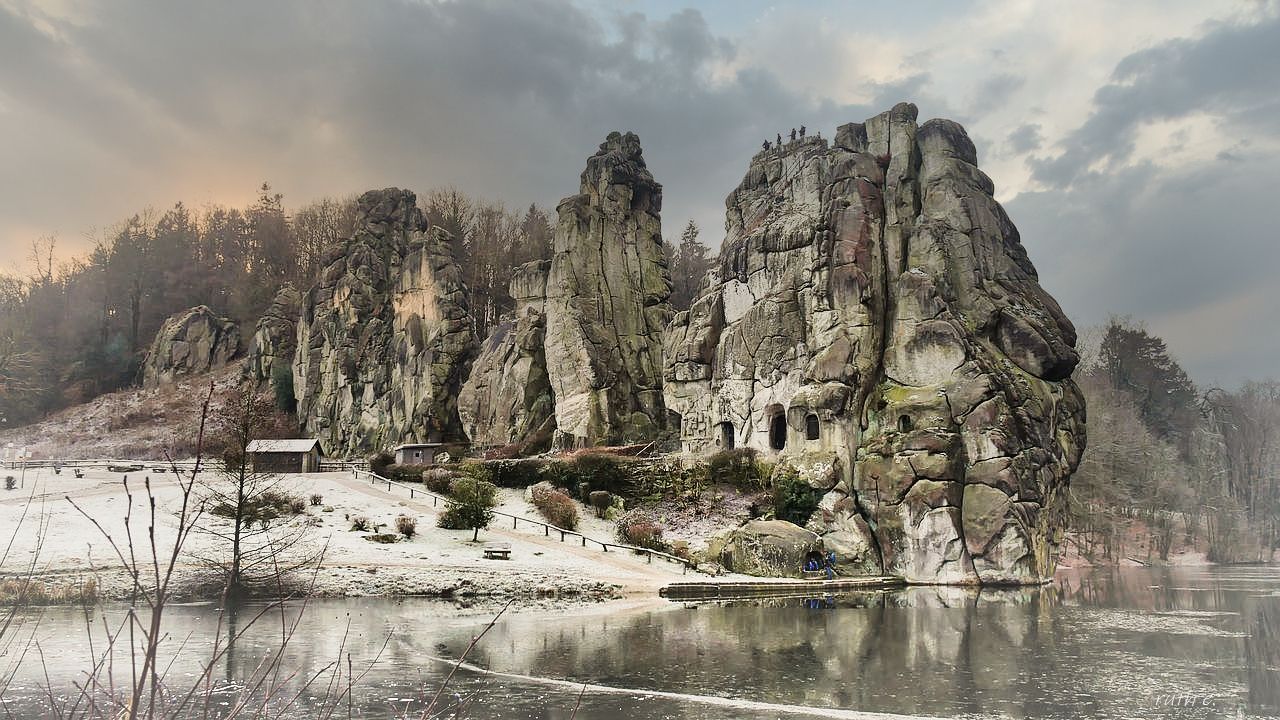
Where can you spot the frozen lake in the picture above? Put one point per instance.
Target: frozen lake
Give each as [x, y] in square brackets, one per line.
[1131, 643]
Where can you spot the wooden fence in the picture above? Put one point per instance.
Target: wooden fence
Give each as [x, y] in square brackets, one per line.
[547, 528]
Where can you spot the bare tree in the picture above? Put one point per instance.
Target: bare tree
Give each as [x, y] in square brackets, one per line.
[247, 509]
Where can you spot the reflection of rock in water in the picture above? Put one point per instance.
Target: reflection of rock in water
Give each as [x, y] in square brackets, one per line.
[860, 650]
[1262, 652]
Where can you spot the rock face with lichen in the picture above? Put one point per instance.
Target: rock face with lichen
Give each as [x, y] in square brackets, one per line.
[384, 340]
[273, 340]
[507, 397]
[192, 341]
[606, 307]
[583, 353]
[874, 315]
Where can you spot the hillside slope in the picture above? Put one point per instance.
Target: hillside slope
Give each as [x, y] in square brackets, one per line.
[137, 423]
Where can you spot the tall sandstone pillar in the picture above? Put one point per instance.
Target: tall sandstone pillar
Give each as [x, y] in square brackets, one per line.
[607, 302]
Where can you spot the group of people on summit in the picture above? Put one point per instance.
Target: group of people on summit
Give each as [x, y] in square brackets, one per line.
[768, 145]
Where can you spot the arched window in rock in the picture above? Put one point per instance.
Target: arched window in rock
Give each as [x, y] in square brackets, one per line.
[811, 429]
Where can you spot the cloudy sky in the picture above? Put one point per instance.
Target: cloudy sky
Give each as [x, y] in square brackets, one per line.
[1135, 144]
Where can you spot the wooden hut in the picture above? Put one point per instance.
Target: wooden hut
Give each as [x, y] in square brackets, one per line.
[418, 453]
[291, 456]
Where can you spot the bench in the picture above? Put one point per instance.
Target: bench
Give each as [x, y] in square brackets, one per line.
[497, 551]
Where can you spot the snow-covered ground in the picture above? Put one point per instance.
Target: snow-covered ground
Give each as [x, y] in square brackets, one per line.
[65, 546]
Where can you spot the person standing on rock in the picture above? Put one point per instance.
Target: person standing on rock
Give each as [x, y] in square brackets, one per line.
[779, 139]
[766, 145]
[793, 134]
[801, 132]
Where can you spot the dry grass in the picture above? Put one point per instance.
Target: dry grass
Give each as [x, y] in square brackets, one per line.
[28, 591]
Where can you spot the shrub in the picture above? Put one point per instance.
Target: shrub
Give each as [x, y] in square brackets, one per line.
[437, 480]
[359, 523]
[516, 473]
[601, 500]
[470, 506]
[317, 500]
[379, 462]
[405, 473]
[602, 471]
[793, 498]
[407, 526]
[262, 507]
[561, 474]
[477, 471]
[737, 467]
[557, 507]
[640, 529]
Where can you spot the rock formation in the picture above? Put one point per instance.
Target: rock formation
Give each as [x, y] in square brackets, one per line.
[507, 398]
[587, 336]
[193, 341]
[874, 314]
[276, 334]
[606, 305]
[384, 339]
[773, 548]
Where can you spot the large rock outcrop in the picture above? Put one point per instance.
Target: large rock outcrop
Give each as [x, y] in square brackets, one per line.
[385, 339]
[774, 548]
[587, 332]
[607, 301]
[275, 336]
[874, 304]
[507, 397]
[192, 341]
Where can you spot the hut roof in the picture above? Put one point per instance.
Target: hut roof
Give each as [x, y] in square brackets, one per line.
[300, 445]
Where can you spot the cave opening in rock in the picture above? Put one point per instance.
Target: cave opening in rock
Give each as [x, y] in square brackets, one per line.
[777, 430]
[811, 429]
[904, 423]
[726, 435]
[813, 561]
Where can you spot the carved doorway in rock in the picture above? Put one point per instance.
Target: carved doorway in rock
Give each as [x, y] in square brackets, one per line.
[726, 435]
[777, 427]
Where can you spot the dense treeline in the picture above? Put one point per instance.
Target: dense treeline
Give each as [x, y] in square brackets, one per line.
[71, 330]
[1195, 466]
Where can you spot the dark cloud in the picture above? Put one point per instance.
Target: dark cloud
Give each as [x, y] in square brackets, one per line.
[1025, 139]
[1186, 246]
[504, 100]
[1231, 72]
[1189, 251]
